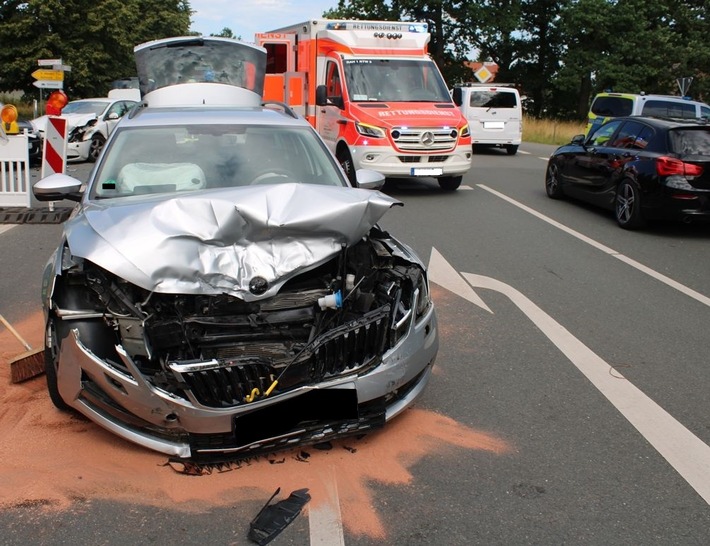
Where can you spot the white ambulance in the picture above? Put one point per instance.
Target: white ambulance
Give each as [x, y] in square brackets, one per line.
[373, 94]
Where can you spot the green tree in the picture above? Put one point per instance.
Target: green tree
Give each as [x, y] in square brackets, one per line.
[94, 37]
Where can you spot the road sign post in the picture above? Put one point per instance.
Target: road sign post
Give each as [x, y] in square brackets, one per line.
[684, 85]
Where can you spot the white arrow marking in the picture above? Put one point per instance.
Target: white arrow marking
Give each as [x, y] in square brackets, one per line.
[441, 272]
[680, 447]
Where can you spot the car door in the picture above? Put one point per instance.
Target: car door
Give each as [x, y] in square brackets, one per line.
[586, 173]
[113, 115]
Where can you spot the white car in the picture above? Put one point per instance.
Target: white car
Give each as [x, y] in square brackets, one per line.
[89, 123]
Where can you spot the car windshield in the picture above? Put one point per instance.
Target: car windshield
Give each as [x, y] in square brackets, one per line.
[85, 107]
[171, 159]
[394, 80]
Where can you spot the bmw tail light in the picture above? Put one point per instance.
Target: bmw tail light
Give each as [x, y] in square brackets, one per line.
[669, 166]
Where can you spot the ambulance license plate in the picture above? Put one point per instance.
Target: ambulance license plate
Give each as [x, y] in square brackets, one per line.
[431, 171]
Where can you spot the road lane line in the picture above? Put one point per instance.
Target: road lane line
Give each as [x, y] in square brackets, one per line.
[705, 300]
[6, 227]
[324, 519]
[684, 451]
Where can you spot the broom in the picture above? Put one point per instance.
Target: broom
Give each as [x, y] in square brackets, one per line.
[27, 365]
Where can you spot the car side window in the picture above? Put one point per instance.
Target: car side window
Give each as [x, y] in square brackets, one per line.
[629, 136]
[601, 136]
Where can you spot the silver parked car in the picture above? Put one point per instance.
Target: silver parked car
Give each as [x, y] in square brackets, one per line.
[221, 288]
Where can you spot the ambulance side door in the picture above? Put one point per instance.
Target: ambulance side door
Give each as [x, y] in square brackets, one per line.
[329, 117]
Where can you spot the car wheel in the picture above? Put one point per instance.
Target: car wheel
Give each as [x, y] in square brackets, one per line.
[511, 149]
[53, 340]
[450, 183]
[97, 143]
[552, 182]
[628, 205]
[346, 162]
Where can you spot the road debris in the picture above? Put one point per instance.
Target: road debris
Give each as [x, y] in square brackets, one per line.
[274, 518]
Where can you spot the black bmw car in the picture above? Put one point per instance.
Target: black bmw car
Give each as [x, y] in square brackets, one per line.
[642, 168]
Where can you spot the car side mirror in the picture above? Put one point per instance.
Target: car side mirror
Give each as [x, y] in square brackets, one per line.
[113, 115]
[322, 98]
[56, 187]
[321, 95]
[369, 179]
[578, 140]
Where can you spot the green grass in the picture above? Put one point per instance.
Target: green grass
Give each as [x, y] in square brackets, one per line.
[548, 131]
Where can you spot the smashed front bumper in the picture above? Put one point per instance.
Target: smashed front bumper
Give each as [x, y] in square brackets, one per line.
[128, 405]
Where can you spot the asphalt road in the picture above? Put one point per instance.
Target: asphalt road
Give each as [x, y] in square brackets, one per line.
[569, 404]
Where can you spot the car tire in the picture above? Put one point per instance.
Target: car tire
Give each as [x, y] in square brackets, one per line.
[450, 183]
[56, 332]
[627, 205]
[512, 149]
[552, 182]
[97, 144]
[346, 162]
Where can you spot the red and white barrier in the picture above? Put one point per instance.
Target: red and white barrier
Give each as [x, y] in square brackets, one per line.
[54, 154]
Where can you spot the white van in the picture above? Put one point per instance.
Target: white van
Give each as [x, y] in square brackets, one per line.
[494, 114]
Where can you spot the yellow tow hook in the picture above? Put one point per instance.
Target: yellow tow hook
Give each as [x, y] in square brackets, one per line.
[250, 397]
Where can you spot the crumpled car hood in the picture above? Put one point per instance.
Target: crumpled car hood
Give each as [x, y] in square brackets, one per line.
[73, 120]
[217, 241]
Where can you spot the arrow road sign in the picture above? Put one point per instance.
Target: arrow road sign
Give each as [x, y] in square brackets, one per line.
[42, 74]
[49, 84]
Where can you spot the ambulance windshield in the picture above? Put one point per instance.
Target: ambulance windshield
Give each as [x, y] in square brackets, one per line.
[394, 80]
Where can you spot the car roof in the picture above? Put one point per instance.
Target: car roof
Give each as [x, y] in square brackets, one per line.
[674, 98]
[665, 123]
[210, 115]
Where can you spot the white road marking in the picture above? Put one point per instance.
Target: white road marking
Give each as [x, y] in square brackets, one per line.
[523, 152]
[6, 227]
[543, 158]
[688, 455]
[465, 187]
[681, 448]
[705, 300]
[325, 521]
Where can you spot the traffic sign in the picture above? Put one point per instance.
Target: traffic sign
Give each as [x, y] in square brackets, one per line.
[48, 62]
[483, 74]
[49, 84]
[43, 74]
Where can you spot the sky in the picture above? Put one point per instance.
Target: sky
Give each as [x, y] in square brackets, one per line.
[247, 17]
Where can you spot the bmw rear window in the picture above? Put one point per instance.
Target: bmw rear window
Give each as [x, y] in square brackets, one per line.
[690, 141]
[612, 106]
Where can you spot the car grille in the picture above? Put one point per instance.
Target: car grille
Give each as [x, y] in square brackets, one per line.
[424, 138]
[418, 158]
[350, 348]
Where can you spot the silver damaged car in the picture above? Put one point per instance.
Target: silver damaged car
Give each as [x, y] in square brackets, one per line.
[221, 289]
